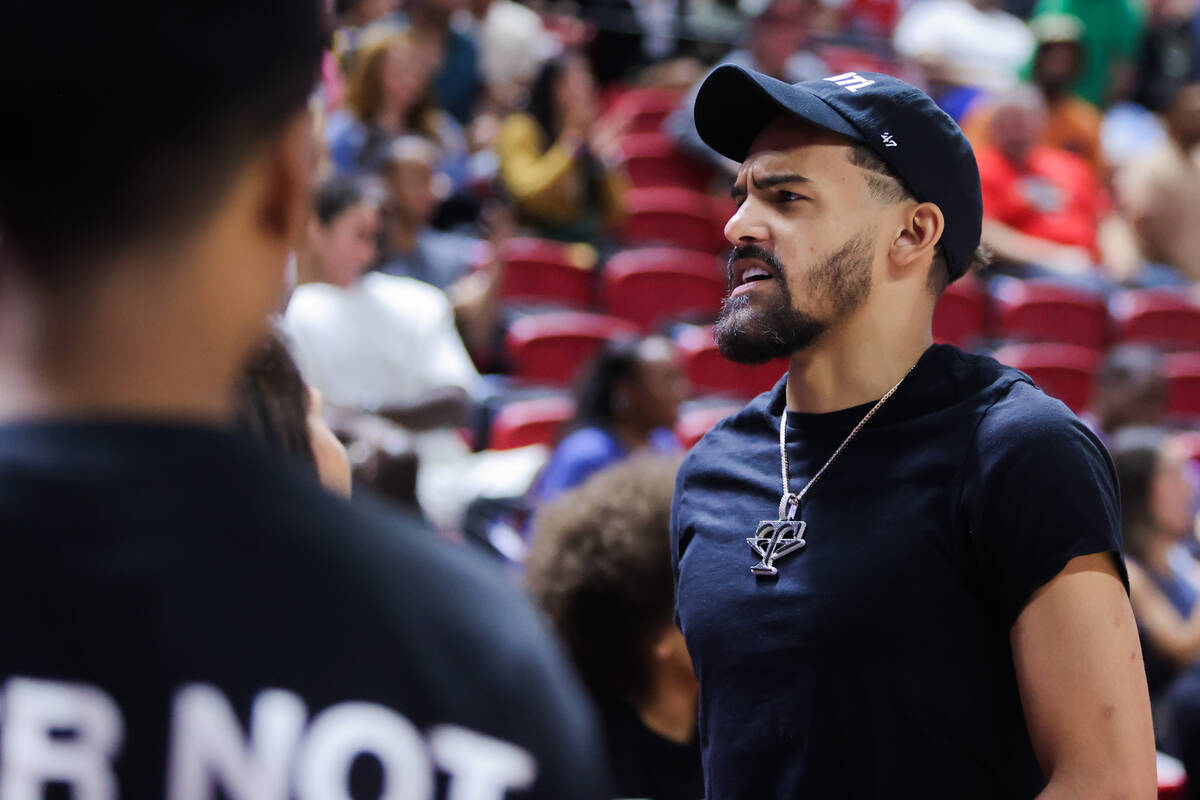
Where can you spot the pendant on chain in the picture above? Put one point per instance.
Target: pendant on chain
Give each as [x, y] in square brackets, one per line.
[777, 538]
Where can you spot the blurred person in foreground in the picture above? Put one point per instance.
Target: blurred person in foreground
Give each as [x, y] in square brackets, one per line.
[184, 616]
[1160, 193]
[1072, 123]
[779, 43]
[277, 408]
[903, 560]
[600, 566]
[627, 402]
[555, 162]
[1131, 390]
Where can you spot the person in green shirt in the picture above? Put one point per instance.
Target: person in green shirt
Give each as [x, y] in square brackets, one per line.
[1111, 37]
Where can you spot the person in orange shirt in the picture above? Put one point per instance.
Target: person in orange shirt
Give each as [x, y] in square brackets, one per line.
[1072, 123]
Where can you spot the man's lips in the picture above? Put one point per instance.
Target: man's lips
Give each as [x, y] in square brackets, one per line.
[748, 272]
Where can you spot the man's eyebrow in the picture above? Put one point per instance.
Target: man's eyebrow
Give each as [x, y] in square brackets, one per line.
[770, 181]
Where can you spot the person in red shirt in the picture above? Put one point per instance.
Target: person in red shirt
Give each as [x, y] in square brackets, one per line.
[1042, 206]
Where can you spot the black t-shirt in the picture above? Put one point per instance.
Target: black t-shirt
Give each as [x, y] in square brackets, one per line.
[646, 765]
[180, 612]
[878, 663]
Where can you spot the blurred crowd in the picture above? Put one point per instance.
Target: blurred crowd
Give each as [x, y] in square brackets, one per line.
[516, 249]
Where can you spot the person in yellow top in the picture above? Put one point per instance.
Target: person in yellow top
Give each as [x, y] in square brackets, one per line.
[1072, 123]
[557, 165]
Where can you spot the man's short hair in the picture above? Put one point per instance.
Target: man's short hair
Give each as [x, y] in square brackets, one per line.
[600, 566]
[887, 187]
[135, 117]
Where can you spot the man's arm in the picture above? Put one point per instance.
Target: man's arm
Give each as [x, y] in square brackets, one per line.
[1083, 685]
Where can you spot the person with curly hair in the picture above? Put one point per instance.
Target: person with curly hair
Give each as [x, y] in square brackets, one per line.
[600, 566]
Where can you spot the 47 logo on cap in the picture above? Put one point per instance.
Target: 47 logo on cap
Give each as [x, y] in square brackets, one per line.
[850, 80]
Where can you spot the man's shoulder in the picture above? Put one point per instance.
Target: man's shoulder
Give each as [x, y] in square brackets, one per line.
[721, 442]
[1025, 425]
[404, 293]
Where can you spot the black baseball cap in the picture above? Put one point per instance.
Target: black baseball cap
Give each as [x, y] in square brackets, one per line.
[899, 122]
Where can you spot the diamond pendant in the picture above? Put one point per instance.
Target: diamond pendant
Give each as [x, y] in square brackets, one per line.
[775, 539]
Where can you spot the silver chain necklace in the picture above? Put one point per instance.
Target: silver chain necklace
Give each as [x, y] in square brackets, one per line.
[776, 538]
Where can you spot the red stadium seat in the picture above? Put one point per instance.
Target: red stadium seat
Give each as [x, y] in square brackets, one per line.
[673, 217]
[1172, 778]
[1183, 378]
[653, 284]
[1158, 317]
[710, 371]
[650, 160]
[1065, 371]
[693, 424]
[540, 270]
[642, 110]
[1049, 313]
[551, 348]
[533, 421]
[961, 313]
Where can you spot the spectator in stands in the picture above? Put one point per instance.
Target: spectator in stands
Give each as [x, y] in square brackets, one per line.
[1042, 207]
[1112, 37]
[629, 35]
[389, 95]
[341, 235]
[1170, 54]
[1072, 124]
[1156, 517]
[1131, 390]
[627, 401]
[963, 43]
[456, 84]
[554, 162]
[387, 347]
[274, 405]
[1159, 194]
[779, 40]
[600, 566]
[413, 249]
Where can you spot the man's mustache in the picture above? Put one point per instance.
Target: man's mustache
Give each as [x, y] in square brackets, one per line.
[756, 253]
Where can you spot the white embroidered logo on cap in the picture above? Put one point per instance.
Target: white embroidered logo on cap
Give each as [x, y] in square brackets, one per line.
[888, 141]
[850, 80]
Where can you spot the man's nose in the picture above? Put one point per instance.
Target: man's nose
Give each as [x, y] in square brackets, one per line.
[745, 227]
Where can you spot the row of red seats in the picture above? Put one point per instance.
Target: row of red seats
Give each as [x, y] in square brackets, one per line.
[551, 348]
[539, 420]
[645, 286]
[1032, 311]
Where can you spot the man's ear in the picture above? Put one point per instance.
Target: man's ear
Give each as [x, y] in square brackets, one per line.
[287, 199]
[916, 241]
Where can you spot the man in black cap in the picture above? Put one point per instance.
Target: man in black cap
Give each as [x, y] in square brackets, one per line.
[899, 572]
[182, 615]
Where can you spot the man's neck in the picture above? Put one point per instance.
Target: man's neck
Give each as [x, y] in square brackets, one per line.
[853, 365]
[64, 358]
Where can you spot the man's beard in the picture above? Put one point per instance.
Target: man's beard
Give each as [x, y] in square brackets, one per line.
[756, 331]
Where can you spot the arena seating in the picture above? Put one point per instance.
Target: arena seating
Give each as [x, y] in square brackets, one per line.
[551, 348]
[961, 315]
[650, 285]
[532, 421]
[710, 371]
[1154, 316]
[540, 270]
[1044, 312]
[1065, 371]
[673, 216]
[650, 159]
